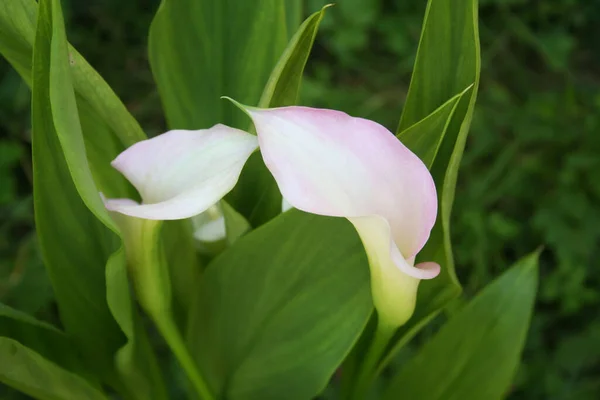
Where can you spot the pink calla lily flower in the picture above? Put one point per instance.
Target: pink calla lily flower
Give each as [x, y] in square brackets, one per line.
[325, 162]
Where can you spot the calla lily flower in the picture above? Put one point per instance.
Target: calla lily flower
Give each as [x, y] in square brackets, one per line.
[182, 173]
[326, 162]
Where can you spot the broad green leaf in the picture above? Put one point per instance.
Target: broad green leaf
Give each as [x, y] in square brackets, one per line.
[256, 196]
[279, 310]
[40, 337]
[76, 235]
[447, 62]
[201, 50]
[424, 137]
[75, 269]
[293, 15]
[30, 373]
[475, 355]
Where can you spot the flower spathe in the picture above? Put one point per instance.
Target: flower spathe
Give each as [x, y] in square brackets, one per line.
[326, 162]
[182, 173]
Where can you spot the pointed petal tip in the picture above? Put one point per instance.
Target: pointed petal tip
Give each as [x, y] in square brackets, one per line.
[157, 212]
[126, 207]
[424, 270]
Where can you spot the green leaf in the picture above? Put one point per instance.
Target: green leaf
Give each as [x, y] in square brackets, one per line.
[447, 58]
[76, 235]
[293, 15]
[256, 195]
[29, 372]
[40, 337]
[424, 137]
[283, 86]
[17, 30]
[279, 310]
[201, 50]
[475, 355]
[447, 62]
[61, 215]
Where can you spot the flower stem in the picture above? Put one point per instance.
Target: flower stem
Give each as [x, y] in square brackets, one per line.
[368, 368]
[148, 267]
[171, 334]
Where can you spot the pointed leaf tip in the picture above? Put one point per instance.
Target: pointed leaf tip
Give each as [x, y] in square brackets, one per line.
[246, 109]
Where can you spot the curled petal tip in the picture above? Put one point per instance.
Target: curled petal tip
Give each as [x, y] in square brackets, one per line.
[430, 269]
[425, 270]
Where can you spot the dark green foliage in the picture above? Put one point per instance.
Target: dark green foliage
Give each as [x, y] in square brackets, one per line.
[530, 174]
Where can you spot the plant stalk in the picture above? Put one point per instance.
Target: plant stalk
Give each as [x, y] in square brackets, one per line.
[368, 368]
[173, 337]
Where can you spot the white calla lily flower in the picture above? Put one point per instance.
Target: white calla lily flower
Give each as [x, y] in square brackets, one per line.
[182, 173]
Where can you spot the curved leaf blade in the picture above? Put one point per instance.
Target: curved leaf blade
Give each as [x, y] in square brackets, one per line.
[77, 237]
[475, 355]
[61, 215]
[424, 137]
[264, 326]
[27, 371]
[40, 337]
[448, 61]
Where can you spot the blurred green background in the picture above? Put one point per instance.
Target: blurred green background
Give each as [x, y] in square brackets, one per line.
[530, 175]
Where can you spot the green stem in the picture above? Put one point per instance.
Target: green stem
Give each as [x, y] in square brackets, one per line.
[148, 267]
[175, 341]
[368, 368]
